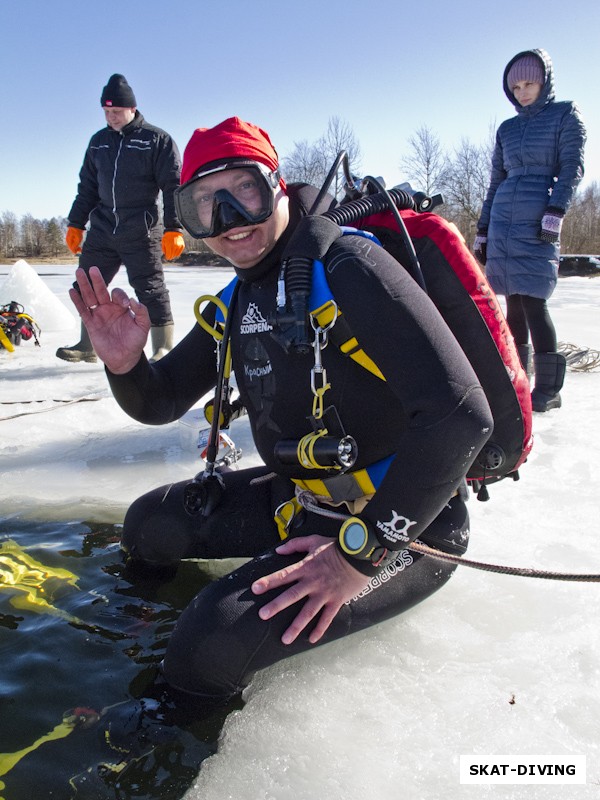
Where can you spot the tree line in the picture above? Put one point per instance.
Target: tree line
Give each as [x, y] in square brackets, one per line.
[29, 237]
[32, 238]
[460, 175]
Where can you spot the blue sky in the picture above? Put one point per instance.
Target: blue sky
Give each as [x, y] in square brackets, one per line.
[386, 67]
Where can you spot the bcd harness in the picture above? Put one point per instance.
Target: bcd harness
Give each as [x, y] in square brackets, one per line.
[457, 287]
[354, 488]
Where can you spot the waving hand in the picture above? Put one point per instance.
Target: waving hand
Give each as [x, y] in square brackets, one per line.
[117, 324]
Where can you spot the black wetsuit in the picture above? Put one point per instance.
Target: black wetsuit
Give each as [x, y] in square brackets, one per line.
[430, 414]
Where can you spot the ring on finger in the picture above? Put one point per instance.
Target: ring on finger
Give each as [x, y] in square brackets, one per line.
[91, 308]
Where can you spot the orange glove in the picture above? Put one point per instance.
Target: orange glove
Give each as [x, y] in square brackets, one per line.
[73, 238]
[172, 245]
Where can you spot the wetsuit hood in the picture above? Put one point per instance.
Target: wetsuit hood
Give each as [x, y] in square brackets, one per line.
[546, 95]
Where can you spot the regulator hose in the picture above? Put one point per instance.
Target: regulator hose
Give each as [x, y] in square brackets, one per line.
[296, 273]
[298, 287]
[394, 201]
[355, 210]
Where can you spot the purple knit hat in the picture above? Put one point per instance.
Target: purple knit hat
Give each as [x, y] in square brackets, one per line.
[528, 68]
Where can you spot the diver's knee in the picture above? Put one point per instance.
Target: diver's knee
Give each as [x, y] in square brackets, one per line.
[212, 643]
[153, 532]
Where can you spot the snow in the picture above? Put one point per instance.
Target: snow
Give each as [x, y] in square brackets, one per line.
[75, 447]
[50, 313]
[491, 664]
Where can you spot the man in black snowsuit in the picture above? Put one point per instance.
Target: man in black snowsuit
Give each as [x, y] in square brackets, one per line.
[320, 572]
[126, 165]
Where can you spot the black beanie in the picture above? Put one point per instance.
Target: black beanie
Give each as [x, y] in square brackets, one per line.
[118, 93]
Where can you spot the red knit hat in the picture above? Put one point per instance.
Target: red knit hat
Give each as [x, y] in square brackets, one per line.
[232, 138]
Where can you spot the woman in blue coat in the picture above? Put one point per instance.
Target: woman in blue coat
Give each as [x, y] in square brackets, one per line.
[536, 166]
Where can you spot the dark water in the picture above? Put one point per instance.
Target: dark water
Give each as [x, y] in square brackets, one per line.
[82, 711]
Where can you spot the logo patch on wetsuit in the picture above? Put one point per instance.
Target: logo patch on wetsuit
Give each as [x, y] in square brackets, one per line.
[253, 321]
[253, 373]
[403, 561]
[396, 530]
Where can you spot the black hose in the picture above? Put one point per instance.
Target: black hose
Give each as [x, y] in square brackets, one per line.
[394, 200]
[355, 210]
[203, 493]
[212, 449]
[298, 287]
[341, 156]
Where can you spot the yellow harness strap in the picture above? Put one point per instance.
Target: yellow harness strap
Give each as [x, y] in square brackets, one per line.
[354, 489]
[284, 516]
[340, 488]
[342, 337]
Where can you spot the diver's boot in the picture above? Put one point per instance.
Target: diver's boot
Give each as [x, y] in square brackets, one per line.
[82, 351]
[135, 727]
[524, 351]
[162, 340]
[549, 369]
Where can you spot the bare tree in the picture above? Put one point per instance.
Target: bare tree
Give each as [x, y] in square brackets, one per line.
[425, 166]
[465, 185]
[8, 234]
[339, 136]
[53, 238]
[305, 164]
[581, 229]
[32, 235]
[310, 163]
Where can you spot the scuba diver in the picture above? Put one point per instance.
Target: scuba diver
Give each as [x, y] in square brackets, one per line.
[356, 465]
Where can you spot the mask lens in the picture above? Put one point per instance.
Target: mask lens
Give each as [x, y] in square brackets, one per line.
[225, 198]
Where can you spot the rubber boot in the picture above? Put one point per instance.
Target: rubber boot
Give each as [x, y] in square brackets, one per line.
[549, 369]
[524, 351]
[82, 351]
[162, 340]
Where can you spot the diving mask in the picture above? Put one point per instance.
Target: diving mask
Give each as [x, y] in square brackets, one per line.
[229, 196]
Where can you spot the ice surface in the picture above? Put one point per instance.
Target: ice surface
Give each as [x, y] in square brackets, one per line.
[492, 664]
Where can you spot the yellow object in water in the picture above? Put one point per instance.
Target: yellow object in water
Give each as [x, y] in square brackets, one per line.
[9, 760]
[33, 583]
[75, 718]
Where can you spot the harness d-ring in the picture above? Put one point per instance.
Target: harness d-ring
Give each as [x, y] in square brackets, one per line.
[284, 516]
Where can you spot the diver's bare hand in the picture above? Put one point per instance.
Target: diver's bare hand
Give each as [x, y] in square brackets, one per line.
[117, 324]
[324, 580]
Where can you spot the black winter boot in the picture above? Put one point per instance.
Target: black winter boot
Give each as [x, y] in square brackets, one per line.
[524, 351]
[82, 351]
[162, 340]
[549, 369]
